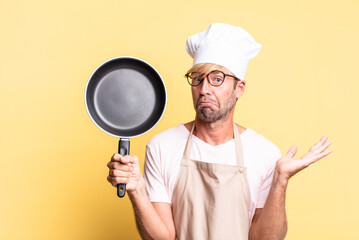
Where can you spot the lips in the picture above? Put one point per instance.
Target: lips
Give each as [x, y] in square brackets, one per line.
[204, 102]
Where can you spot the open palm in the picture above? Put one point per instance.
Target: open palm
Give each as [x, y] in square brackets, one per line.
[288, 165]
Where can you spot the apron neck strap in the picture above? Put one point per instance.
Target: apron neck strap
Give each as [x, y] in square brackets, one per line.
[238, 144]
[188, 148]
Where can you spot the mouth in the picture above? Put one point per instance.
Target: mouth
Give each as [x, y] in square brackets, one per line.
[205, 102]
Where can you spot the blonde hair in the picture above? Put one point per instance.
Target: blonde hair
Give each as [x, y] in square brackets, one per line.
[203, 68]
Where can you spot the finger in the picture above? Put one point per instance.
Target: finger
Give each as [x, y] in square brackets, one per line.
[127, 159]
[318, 157]
[111, 163]
[318, 144]
[120, 166]
[292, 151]
[112, 181]
[119, 173]
[323, 147]
[323, 154]
[117, 180]
[116, 157]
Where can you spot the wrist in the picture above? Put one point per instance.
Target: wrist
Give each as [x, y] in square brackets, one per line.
[280, 180]
[139, 190]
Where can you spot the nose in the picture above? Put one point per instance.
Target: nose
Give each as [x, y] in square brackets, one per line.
[205, 87]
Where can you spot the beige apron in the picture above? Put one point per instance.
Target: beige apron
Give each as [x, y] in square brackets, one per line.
[211, 201]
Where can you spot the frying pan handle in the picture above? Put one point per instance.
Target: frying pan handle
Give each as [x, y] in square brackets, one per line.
[123, 149]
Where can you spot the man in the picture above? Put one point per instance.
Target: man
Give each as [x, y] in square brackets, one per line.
[212, 178]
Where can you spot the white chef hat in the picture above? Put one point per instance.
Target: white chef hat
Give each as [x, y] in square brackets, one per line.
[223, 44]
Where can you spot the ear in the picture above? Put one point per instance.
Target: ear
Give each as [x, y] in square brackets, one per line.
[239, 90]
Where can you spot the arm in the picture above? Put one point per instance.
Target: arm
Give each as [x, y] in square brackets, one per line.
[271, 222]
[154, 221]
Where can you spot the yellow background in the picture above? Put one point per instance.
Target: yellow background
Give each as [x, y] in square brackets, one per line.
[302, 85]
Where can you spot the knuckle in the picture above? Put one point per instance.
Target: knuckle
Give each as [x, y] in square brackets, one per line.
[112, 165]
[111, 181]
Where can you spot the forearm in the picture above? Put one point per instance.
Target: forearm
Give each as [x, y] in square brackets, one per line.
[272, 222]
[149, 224]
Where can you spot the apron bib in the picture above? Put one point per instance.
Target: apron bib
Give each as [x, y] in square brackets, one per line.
[211, 201]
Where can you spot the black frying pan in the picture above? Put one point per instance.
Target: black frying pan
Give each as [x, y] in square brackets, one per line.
[125, 97]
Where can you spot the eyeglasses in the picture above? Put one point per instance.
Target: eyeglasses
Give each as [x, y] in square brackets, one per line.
[215, 78]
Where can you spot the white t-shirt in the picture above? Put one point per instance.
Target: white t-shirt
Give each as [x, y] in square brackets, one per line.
[164, 153]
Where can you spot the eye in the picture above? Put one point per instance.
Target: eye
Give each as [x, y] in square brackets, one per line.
[196, 79]
[218, 80]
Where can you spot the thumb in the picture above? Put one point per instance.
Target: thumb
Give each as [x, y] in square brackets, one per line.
[292, 151]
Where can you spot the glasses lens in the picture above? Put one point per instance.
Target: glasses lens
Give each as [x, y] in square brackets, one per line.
[194, 79]
[216, 78]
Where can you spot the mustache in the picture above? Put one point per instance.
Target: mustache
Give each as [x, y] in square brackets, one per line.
[206, 99]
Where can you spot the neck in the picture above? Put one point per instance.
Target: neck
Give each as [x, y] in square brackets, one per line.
[214, 133]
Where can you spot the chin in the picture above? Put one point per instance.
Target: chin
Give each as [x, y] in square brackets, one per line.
[207, 116]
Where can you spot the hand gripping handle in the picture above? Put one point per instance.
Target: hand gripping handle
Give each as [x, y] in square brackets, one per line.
[123, 149]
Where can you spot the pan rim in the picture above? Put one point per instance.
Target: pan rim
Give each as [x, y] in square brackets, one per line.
[137, 59]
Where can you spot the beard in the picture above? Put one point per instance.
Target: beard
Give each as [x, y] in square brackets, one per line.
[210, 114]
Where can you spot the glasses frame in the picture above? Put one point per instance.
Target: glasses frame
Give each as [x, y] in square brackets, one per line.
[187, 75]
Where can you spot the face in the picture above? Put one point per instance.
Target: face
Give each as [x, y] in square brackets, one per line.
[215, 103]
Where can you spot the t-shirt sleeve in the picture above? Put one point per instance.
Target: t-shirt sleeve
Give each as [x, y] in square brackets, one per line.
[154, 177]
[265, 187]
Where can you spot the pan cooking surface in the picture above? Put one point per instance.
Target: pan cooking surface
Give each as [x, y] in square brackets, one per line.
[124, 99]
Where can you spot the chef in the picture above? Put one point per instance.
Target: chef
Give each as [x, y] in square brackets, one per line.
[212, 178]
